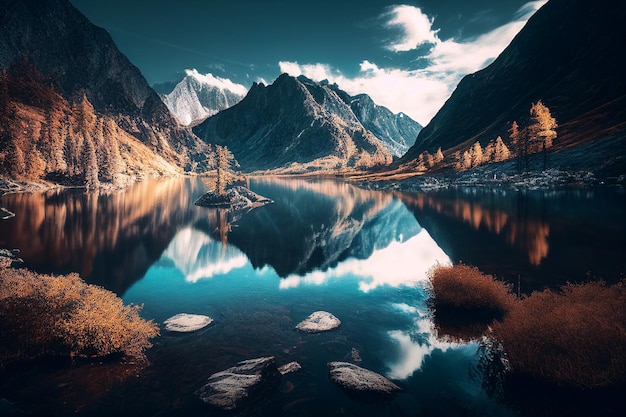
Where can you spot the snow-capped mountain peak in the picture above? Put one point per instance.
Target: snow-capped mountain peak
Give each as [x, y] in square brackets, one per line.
[199, 96]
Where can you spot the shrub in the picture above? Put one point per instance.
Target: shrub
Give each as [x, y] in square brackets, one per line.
[466, 301]
[62, 315]
[575, 337]
[462, 287]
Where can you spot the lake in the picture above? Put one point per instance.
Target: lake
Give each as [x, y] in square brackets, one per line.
[322, 245]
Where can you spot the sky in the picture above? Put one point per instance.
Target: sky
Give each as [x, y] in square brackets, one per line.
[408, 56]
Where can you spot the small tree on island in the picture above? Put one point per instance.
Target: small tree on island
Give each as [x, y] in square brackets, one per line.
[225, 162]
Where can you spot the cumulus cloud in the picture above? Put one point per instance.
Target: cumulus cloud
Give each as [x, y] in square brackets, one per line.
[214, 81]
[416, 26]
[420, 93]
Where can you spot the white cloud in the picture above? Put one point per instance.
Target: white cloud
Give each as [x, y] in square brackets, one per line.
[219, 82]
[411, 92]
[420, 93]
[417, 28]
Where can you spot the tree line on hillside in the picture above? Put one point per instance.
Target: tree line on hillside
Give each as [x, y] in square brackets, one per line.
[44, 136]
[537, 136]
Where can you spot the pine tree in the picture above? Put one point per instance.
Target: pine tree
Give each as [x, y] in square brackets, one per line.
[467, 160]
[225, 161]
[518, 143]
[90, 164]
[541, 129]
[490, 151]
[476, 154]
[438, 156]
[501, 152]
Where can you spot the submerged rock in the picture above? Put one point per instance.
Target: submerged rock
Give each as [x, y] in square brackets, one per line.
[184, 322]
[231, 388]
[319, 321]
[354, 378]
[236, 198]
[289, 368]
[9, 259]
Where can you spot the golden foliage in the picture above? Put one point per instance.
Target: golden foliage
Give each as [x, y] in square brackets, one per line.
[465, 287]
[62, 315]
[575, 337]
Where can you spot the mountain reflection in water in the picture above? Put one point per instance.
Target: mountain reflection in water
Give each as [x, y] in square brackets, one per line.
[314, 232]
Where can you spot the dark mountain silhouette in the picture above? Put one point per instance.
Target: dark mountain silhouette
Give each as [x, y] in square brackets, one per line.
[397, 131]
[295, 124]
[570, 56]
[79, 62]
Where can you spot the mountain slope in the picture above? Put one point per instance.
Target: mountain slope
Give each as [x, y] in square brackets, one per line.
[397, 131]
[197, 97]
[77, 59]
[569, 56]
[295, 124]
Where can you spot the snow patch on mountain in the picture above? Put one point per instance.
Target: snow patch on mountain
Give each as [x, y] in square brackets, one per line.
[199, 96]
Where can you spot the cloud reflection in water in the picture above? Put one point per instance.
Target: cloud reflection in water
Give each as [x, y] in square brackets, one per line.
[399, 264]
[199, 256]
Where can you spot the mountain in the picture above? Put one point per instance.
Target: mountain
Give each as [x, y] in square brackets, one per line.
[50, 49]
[569, 55]
[198, 97]
[295, 124]
[396, 131]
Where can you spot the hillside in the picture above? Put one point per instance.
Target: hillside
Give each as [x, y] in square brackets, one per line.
[54, 61]
[568, 56]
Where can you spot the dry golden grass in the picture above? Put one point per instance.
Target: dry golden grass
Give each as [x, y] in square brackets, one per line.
[575, 337]
[64, 316]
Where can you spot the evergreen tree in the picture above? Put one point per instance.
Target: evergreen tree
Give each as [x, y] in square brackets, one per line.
[541, 129]
[476, 155]
[225, 162]
[501, 152]
[438, 156]
[90, 164]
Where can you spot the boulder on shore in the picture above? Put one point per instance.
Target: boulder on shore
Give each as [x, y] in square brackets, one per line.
[246, 381]
[184, 322]
[360, 380]
[319, 321]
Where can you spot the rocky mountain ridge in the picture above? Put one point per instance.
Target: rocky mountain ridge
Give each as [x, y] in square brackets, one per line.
[565, 57]
[299, 125]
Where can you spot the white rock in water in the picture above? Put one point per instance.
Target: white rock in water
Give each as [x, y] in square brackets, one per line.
[320, 321]
[289, 368]
[231, 388]
[355, 378]
[184, 322]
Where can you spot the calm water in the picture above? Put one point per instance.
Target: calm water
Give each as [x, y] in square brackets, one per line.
[362, 255]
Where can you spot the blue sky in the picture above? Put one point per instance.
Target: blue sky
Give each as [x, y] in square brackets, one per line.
[408, 56]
